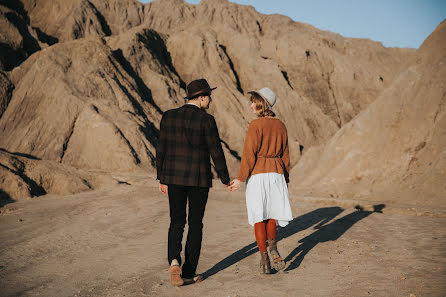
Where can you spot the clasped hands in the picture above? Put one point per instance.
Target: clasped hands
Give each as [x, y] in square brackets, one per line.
[232, 186]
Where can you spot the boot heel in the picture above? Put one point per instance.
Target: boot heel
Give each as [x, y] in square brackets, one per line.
[264, 263]
[277, 261]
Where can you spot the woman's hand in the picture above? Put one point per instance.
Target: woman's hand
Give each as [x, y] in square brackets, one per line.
[235, 184]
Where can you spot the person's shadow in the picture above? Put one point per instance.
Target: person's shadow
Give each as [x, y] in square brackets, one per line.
[317, 217]
[330, 232]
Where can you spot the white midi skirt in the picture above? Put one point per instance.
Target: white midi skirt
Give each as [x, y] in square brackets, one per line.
[267, 198]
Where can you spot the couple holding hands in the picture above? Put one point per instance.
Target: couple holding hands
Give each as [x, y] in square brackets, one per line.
[188, 138]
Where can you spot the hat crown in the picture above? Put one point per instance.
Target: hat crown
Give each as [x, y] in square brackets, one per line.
[268, 95]
[198, 87]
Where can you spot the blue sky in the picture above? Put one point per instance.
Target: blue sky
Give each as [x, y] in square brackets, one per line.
[395, 23]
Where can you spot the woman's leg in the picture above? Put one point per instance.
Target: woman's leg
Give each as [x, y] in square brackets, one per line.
[260, 233]
[271, 229]
[277, 261]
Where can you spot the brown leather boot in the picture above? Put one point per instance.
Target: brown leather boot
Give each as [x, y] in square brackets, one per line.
[277, 261]
[264, 263]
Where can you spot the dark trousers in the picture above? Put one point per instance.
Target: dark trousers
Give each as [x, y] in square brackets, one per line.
[178, 198]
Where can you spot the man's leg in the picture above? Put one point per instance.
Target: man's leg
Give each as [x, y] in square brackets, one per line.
[177, 207]
[197, 204]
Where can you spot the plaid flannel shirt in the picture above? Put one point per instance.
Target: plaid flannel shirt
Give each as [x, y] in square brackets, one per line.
[188, 137]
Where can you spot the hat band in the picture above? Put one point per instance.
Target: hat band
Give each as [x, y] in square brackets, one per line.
[267, 101]
[201, 92]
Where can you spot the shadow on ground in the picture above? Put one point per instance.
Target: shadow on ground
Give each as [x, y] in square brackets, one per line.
[317, 218]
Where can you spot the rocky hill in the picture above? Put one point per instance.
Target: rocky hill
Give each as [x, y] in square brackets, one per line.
[84, 83]
[394, 150]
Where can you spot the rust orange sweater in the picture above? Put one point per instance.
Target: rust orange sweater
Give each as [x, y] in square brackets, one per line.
[265, 149]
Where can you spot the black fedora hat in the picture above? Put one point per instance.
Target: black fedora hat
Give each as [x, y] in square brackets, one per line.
[198, 87]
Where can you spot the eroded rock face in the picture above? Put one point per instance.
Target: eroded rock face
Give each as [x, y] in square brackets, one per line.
[17, 40]
[25, 177]
[395, 149]
[76, 104]
[90, 89]
[322, 79]
[6, 88]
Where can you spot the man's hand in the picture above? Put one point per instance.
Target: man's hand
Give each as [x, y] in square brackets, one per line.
[234, 185]
[228, 185]
[163, 188]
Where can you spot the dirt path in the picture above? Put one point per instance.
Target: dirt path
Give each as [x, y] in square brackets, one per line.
[114, 242]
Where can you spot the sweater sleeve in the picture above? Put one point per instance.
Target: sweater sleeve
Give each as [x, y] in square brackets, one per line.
[249, 155]
[286, 158]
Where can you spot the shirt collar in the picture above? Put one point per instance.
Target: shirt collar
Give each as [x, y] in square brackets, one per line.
[190, 103]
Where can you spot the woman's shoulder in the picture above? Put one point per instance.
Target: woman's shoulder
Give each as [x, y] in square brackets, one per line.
[255, 122]
[268, 120]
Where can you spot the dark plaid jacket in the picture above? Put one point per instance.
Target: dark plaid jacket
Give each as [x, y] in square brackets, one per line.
[188, 137]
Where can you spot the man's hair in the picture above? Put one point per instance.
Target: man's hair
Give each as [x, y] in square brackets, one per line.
[261, 107]
[203, 94]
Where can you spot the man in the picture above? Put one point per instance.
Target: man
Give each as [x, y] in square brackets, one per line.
[188, 137]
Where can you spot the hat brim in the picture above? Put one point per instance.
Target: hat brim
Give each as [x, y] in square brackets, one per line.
[199, 93]
[263, 97]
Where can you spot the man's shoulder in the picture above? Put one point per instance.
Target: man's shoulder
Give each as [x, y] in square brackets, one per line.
[169, 112]
[173, 112]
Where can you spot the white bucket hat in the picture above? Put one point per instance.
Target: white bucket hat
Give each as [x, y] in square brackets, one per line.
[267, 95]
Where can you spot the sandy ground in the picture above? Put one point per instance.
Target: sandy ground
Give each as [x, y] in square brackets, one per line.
[114, 243]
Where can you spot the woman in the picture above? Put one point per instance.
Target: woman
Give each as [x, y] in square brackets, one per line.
[265, 167]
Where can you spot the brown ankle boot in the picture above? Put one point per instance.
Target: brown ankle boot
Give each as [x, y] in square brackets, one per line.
[277, 261]
[264, 263]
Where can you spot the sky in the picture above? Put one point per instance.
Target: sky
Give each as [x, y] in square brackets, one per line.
[395, 23]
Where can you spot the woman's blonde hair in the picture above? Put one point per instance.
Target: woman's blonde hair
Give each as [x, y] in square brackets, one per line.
[261, 107]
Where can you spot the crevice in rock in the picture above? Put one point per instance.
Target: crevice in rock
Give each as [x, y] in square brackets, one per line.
[143, 90]
[285, 76]
[151, 156]
[85, 182]
[132, 150]
[34, 188]
[121, 182]
[102, 21]
[150, 132]
[6, 92]
[440, 107]
[156, 45]
[5, 198]
[45, 38]
[233, 152]
[339, 122]
[260, 28]
[67, 140]
[231, 65]
[20, 154]
[148, 128]
[313, 127]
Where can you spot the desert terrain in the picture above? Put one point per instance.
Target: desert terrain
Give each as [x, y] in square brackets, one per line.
[83, 86]
[114, 243]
